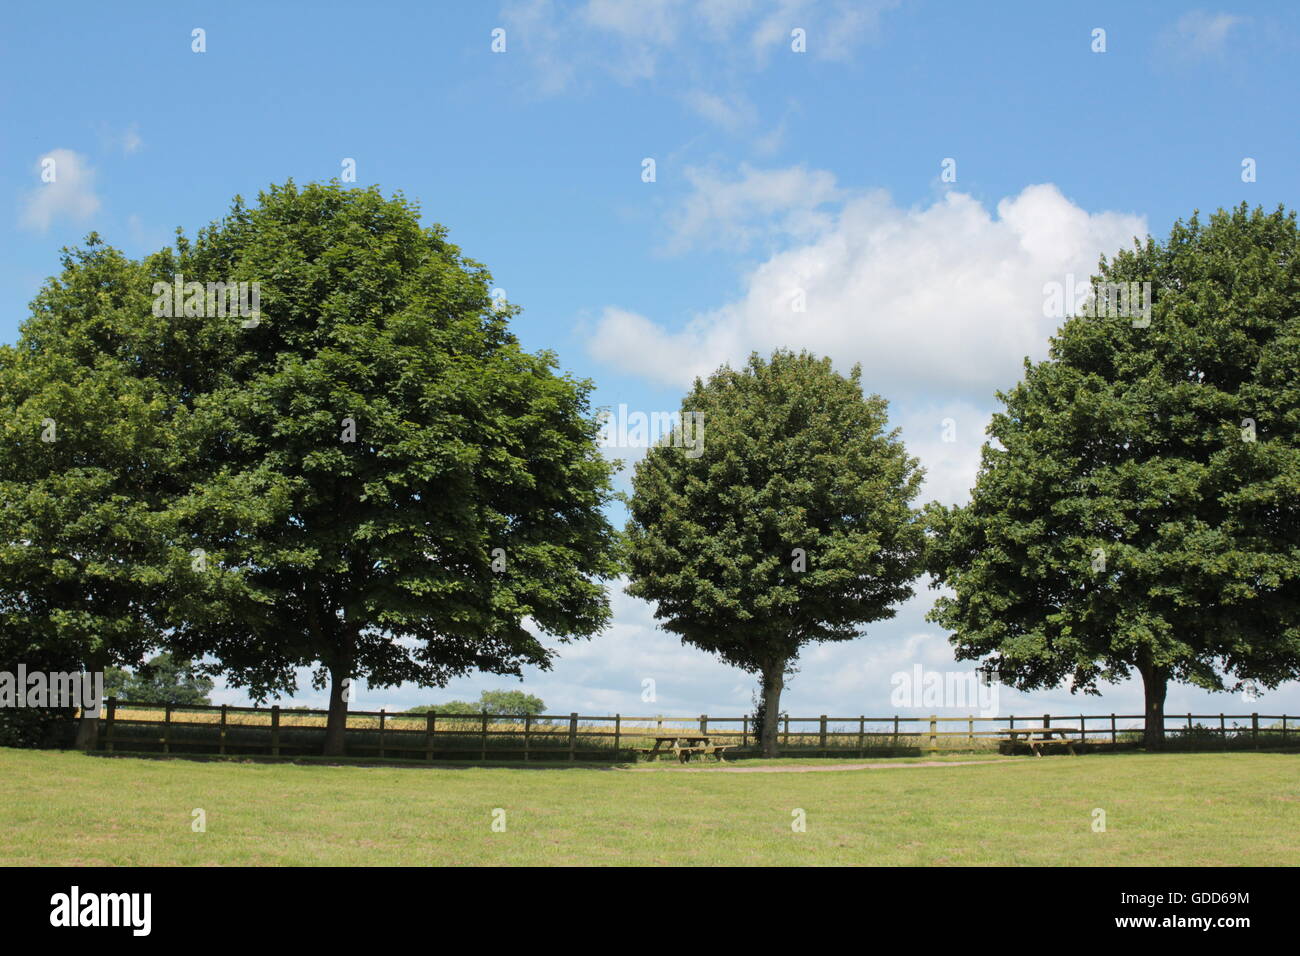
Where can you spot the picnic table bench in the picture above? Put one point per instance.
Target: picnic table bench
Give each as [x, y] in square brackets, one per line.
[683, 745]
[1044, 737]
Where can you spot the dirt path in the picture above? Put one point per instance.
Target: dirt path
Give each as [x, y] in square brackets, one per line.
[832, 769]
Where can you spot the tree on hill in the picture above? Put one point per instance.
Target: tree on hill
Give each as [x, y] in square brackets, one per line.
[794, 525]
[1138, 507]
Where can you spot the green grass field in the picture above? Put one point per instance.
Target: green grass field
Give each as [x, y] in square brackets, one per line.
[59, 807]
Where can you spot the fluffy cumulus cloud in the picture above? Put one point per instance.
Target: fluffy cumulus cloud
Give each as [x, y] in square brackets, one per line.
[946, 436]
[947, 299]
[65, 190]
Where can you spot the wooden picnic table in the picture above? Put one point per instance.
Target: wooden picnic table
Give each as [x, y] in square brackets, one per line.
[1044, 736]
[685, 744]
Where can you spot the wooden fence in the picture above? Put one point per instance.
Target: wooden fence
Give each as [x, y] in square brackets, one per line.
[276, 731]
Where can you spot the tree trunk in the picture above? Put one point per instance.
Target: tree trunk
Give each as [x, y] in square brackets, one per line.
[773, 682]
[335, 745]
[87, 732]
[1155, 683]
[88, 724]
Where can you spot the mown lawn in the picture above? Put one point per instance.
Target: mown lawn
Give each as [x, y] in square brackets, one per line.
[1161, 809]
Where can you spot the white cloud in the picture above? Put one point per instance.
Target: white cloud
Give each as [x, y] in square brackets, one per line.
[113, 138]
[785, 203]
[628, 40]
[131, 141]
[648, 21]
[732, 113]
[533, 25]
[69, 194]
[947, 438]
[944, 300]
[833, 30]
[1200, 34]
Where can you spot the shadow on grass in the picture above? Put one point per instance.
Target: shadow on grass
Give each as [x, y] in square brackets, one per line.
[309, 761]
[1173, 746]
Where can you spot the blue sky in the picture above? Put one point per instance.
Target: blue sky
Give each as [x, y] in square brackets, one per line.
[776, 171]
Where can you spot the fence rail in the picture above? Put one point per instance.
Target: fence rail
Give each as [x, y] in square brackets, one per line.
[277, 731]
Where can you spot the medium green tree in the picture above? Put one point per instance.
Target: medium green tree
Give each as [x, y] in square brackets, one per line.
[514, 703]
[1138, 507]
[160, 680]
[502, 702]
[398, 491]
[793, 526]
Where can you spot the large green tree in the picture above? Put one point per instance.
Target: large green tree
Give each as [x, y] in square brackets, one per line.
[397, 491]
[1138, 507]
[362, 472]
[793, 526]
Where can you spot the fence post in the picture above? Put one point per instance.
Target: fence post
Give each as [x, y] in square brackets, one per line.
[1254, 728]
[893, 744]
[428, 735]
[528, 729]
[744, 731]
[573, 735]
[1284, 730]
[821, 735]
[1083, 729]
[704, 723]
[786, 743]
[934, 733]
[1047, 720]
[862, 735]
[383, 714]
[970, 731]
[1223, 731]
[483, 738]
[1114, 738]
[618, 734]
[167, 730]
[275, 730]
[112, 716]
[223, 728]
